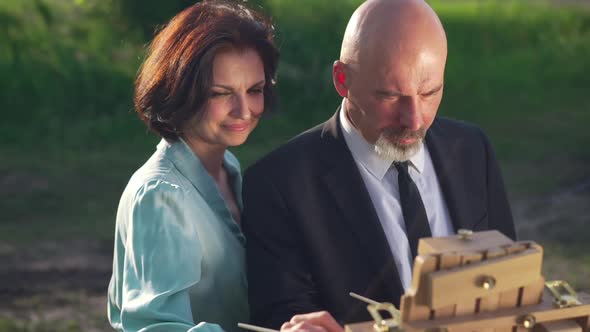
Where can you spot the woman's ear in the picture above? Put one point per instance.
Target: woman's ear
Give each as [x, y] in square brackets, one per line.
[340, 79]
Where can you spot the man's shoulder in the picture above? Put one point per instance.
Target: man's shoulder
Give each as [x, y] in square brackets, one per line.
[455, 130]
[457, 137]
[448, 124]
[297, 150]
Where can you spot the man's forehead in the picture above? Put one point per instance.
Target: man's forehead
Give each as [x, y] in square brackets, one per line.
[421, 65]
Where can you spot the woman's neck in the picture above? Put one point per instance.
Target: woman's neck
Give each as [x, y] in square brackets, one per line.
[211, 156]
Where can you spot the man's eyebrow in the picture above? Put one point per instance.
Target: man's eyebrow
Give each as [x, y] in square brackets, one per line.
[389, 93]
[434, 90]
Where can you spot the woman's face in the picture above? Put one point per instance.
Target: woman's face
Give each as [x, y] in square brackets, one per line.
[236, 101]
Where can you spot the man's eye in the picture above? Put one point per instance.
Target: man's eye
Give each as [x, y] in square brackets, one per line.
[383, 96]
[256, 91]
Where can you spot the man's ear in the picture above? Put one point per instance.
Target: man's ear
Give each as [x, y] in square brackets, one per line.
[340, 78]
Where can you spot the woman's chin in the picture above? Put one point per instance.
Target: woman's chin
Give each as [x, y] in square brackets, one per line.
[236, 140]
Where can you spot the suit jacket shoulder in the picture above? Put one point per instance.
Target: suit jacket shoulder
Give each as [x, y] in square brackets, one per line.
[295, 156]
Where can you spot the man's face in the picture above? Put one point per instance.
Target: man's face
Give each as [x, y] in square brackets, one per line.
[393, 98]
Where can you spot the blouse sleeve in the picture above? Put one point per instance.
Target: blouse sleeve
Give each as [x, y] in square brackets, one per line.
[162, 261]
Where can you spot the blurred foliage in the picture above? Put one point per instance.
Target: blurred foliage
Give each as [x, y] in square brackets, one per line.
[69, 138]
[62, 81]
[149, 15]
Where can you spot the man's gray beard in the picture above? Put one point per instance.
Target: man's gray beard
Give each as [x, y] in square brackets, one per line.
[391, 152]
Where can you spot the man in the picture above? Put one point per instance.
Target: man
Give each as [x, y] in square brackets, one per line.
[340, 208]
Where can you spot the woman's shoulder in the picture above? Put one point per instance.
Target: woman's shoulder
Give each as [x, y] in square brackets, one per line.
[153, 203]
[157, 173]
[156, 178]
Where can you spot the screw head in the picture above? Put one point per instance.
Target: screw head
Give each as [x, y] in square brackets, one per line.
[488, 282]
[529, 321]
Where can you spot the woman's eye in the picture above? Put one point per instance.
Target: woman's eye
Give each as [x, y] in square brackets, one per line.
[219, 94]
[256, 91]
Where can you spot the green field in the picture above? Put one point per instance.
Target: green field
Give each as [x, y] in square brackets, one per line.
[69, 139]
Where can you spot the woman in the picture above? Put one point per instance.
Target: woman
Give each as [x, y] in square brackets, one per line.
[179, 251]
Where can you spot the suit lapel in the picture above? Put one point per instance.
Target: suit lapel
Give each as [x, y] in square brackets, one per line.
[346, 186]
[451, 175]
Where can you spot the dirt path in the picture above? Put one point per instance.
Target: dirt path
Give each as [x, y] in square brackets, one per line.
[62, 285]
[62, 282]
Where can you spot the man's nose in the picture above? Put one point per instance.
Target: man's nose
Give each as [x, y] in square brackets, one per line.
[411, 116]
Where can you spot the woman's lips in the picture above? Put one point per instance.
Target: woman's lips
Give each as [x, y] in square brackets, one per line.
[237, 127]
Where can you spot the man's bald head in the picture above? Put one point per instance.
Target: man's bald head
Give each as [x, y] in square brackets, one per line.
[391, 74]
[391, 25]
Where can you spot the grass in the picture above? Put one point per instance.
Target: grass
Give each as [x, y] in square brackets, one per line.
[10, 325]
[519, 71]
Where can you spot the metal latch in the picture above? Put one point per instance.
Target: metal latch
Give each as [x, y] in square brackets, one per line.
[383, 324]
[564, 295]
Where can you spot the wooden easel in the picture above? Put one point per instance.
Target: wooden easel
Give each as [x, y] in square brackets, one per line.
[481, 282]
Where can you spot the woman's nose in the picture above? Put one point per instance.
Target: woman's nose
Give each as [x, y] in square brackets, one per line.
[241, 107]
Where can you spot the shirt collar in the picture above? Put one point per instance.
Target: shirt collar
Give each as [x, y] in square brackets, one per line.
[190, 166]
[364, 152]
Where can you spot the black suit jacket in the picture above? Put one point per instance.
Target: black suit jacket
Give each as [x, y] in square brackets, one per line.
[313, 234]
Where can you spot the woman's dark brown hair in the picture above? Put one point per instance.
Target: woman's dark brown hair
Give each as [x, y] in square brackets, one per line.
[174, 81]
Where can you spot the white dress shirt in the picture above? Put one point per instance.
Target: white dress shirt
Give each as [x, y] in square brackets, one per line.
[381, 182]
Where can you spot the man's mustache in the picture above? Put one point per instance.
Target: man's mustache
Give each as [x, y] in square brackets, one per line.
[404, 133]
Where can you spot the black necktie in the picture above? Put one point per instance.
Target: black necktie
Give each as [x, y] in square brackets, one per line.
[412, 208]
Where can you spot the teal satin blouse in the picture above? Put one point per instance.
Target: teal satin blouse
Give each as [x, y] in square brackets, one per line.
[179, 259]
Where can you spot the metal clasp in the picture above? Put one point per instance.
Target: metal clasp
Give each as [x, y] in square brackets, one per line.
[381, 324]
[465, 234]
[564, 295]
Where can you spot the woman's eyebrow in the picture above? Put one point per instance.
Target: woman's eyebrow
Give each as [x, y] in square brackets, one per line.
[261, 82]
[226, 87]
